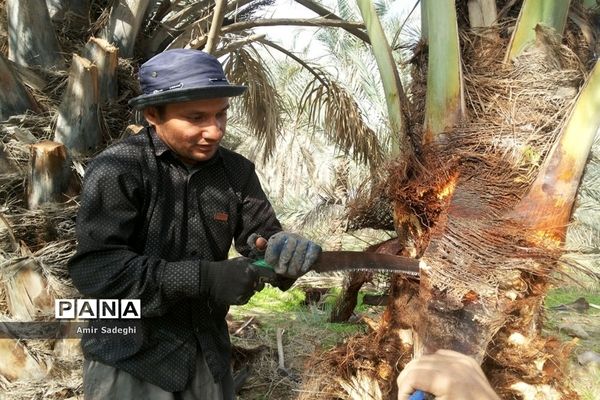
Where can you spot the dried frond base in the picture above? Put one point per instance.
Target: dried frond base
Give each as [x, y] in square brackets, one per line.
[63, 382]
[529, 366]
[373, 358]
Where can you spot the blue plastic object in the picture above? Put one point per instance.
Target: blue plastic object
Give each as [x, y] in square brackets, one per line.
[418, 395]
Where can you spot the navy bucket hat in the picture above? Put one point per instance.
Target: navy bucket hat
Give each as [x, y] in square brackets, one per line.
[179, 75]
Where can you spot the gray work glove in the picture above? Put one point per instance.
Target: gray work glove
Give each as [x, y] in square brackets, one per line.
[229, 282]
[257, 251]
[290, 254]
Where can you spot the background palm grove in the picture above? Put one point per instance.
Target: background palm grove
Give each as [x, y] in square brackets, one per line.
[463, 144]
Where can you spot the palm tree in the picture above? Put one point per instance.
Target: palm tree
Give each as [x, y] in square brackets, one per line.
[486, 197]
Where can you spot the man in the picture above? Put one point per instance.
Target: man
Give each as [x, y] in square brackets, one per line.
[158, 214]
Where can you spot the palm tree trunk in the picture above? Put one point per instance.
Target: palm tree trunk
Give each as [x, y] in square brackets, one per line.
[106, 58]
[31, 37]
[57, 9]
[445, 99]
[482, 13]
[50, 177]
[79, 125]
[124, 24]
[15, 98]
[552, 14]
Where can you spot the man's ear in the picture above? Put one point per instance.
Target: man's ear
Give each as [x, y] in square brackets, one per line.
[151, 115]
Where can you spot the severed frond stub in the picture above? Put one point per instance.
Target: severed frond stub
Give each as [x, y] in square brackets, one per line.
[362, 387]
[331, 106]
[261, 102]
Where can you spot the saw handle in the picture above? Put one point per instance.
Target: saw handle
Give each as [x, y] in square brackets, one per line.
[266, 272]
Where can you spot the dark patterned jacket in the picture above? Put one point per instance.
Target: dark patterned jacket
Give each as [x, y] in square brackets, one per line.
[145, 222]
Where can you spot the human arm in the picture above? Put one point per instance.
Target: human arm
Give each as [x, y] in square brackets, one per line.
[446, 374]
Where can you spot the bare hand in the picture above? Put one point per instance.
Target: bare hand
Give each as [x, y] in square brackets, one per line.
[447, 375]
[260, 243]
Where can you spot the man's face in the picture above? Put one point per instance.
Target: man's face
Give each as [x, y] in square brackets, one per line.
[192, 129]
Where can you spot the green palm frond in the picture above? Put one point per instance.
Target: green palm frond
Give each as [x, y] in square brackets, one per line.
[366, 84]
[348, 9]
[382, 7]
[261, 102]
[329, 105]
[251, 11]
[406, 30]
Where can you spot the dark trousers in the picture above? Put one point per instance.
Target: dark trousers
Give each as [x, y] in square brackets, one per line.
[103, 382]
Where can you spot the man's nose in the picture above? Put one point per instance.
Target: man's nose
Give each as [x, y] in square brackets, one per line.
[213, 130]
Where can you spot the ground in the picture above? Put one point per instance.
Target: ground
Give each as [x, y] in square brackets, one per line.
[306, 330]
[585, 379]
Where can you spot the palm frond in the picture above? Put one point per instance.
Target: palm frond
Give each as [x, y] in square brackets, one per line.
[251, 11]
[382, 7]
[348, 9]
[331, 106]
[261, 101]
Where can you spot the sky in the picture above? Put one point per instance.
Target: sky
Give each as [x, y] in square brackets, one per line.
[300, 37]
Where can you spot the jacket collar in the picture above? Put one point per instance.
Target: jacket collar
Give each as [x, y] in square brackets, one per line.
[160, 147]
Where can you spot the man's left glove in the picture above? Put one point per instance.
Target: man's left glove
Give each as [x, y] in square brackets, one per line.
[291, 255]
[229, 282]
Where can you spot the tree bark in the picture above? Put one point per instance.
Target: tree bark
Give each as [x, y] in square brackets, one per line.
[125, 21]
[80, 7]
[50, 177]
[78, 13]
[31, 37]
[29, 77]
[79, 121]
[15, 98]
[106, 58]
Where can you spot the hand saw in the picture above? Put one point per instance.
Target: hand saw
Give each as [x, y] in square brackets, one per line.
[331, 261]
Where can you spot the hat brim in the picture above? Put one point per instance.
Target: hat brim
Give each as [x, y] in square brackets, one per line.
[183, 95]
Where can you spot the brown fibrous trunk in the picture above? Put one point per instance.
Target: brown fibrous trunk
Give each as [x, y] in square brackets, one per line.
[487, 273]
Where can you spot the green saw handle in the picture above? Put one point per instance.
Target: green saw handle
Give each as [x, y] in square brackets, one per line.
[261, 263]
[266, 272]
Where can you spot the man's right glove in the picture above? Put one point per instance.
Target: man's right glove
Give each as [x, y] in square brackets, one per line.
[229, 282]
[290, 254]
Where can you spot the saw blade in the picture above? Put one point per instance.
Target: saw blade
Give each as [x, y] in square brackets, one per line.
[331, 261]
